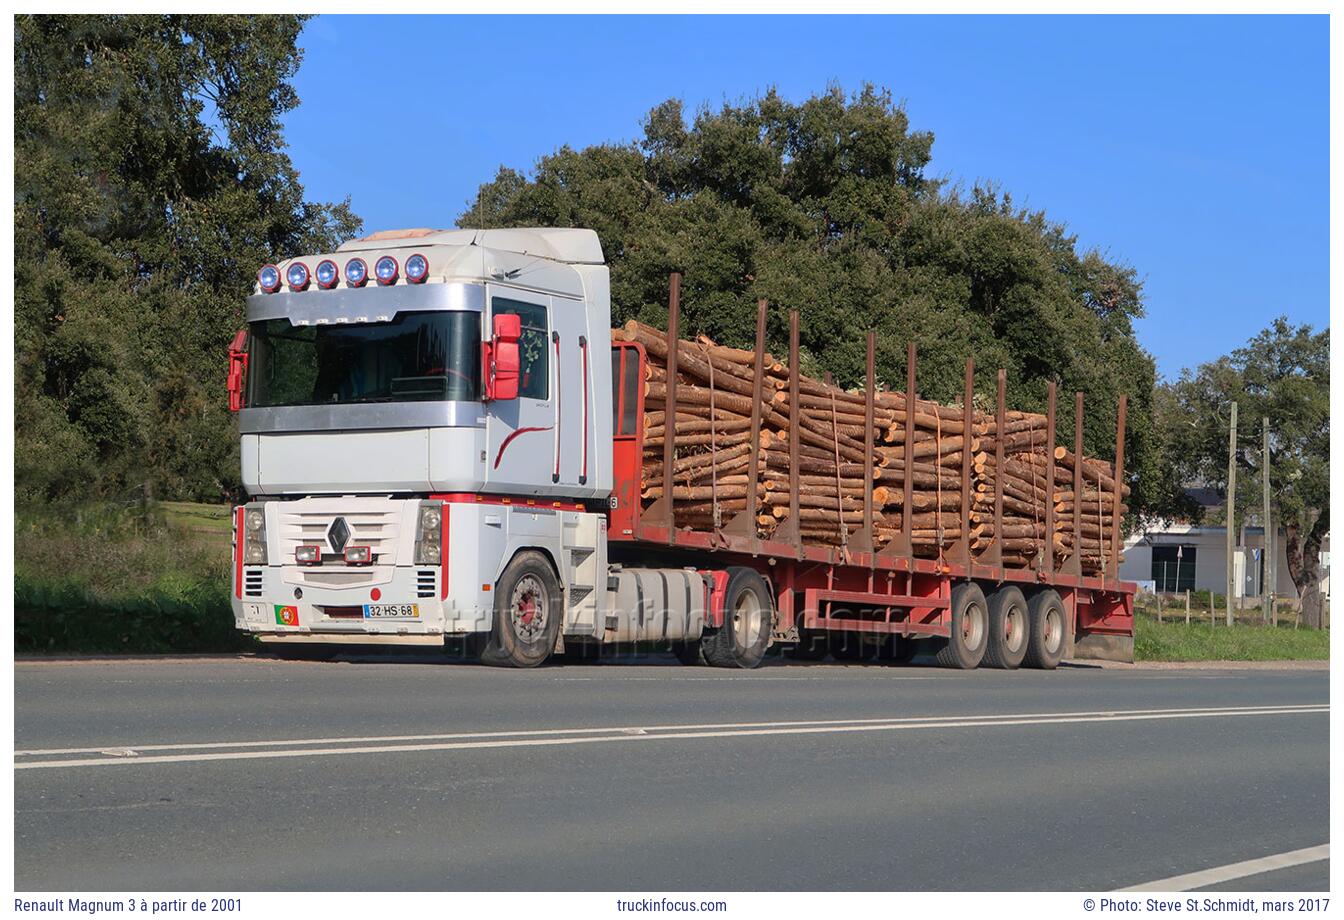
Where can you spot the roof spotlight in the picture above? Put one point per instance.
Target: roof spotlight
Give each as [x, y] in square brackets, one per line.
[386, 270]
[417, 269]
[327, 274]
[297, 276]
[356, 272]
[269, 279]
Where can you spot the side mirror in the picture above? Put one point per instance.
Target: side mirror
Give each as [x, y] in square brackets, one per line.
[502, 359]
[237, 369]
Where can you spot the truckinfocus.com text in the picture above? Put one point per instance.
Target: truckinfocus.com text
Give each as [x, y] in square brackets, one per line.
[654, 905]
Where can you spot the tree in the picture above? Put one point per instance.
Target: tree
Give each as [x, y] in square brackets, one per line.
[151, 181]
[1283, 373]
[827, 206]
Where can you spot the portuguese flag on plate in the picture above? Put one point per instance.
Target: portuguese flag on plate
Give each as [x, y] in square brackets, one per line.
[286, 616]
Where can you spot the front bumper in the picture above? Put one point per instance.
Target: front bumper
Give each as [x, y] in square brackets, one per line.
[289, 603]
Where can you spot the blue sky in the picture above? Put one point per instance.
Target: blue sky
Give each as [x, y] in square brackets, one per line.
[1194, 148]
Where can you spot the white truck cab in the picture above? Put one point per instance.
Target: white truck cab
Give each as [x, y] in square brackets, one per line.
[426, 423]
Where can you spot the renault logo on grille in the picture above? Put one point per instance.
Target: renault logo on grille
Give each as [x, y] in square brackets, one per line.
[338, 534]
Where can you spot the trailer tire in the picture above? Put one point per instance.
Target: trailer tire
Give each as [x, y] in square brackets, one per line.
[748, 617]
[965, 646]
[526, 593]
[1048, 628]
[1009, 627]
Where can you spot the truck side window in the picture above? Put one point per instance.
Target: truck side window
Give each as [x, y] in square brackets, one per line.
[625, 386]
[534, 372]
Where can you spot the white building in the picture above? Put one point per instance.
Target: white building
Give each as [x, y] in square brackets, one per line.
[1177, 557]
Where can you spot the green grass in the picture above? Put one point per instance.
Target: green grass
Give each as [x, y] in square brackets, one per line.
[123, 579]
[199, 518]
[1175, 641]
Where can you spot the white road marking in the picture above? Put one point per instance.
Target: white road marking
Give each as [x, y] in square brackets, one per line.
[1192, 880]
[596, 729]
[552, 737]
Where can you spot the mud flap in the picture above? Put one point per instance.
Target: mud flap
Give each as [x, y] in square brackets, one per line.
[1103, 647]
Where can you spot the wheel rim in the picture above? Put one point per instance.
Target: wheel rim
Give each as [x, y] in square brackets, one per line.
[748, 620]
[528, 608]
[973, 626]
[1015, 628]
[1054, 630]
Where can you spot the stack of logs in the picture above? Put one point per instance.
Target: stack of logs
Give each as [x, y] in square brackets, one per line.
[713, 457]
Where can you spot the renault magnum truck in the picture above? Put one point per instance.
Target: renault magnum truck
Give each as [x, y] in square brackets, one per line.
[440, 440]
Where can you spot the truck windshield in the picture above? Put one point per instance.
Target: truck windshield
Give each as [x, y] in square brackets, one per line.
[416, 357]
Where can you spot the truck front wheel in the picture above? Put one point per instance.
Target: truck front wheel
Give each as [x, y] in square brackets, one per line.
[748, 616]
[527, 613]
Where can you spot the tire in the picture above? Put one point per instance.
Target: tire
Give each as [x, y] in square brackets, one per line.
[748, 617]
[898, 650]
[965, 646]
[528, 608]
[1047, 632]
[851, 647]
[1009, 627]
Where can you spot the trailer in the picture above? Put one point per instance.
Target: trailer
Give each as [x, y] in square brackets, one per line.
[441, 439]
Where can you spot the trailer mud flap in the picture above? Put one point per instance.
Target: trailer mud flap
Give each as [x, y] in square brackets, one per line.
[1103, 647]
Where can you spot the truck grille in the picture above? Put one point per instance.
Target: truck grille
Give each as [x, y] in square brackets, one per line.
[252, 582]
[372, 522]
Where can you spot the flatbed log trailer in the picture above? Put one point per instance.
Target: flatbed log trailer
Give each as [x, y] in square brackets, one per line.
[432, 449]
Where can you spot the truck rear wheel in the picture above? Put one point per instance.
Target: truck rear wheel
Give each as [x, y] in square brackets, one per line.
[527, 613]
[1009, 625]
[1048, 625]
[748, 616]
[965, 646]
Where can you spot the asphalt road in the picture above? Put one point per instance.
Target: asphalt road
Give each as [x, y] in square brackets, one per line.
[248, 774]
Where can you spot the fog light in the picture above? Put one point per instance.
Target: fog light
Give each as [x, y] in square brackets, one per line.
[358, 555]
[307, 554]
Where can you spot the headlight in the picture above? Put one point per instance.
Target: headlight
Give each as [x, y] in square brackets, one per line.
[297, 276]
[386, 270]
[356, 272]
[429, 535]
[326, 274]
[254, 534]
[269, 279]
[417, 269]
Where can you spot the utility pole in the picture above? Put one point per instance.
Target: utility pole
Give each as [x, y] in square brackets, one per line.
[1267, 580]
[1231, 508]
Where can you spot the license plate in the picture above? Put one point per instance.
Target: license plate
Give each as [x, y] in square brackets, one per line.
[391, 611]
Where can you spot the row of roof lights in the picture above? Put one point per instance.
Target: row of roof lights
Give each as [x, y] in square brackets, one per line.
[385, 271]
